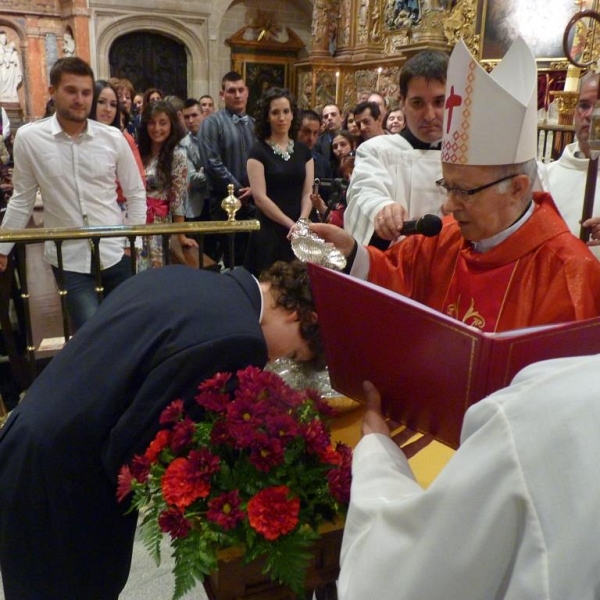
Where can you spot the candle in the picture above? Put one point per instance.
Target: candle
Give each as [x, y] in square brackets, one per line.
[337, 86]
[572, 81]
[378, 77]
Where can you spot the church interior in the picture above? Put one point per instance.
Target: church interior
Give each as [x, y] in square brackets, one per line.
[324, 51]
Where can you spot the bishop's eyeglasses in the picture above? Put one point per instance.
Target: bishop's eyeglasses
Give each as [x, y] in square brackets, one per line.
[465, 195]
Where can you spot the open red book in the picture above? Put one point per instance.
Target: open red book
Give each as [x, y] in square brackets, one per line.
[428, 367]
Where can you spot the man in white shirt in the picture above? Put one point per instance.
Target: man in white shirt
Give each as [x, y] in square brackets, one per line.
[76, 163]
[395, 175]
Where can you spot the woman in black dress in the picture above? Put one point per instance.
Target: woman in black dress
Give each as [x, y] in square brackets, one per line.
[281, 174]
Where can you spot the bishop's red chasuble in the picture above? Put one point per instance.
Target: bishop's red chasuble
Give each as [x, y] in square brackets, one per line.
[541, 274]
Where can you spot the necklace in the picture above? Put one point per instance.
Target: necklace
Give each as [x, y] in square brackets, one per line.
[285, 154]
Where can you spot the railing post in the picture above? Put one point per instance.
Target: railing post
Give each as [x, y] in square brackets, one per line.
[97, 268]
[133, 254]
[30, 346]
[62, 292]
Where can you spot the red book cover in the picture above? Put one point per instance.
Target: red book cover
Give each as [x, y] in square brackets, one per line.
[428, 367]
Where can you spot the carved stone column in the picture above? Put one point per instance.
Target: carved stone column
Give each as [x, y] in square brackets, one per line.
[325, 28]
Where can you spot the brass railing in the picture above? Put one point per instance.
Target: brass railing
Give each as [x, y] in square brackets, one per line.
[21, 238]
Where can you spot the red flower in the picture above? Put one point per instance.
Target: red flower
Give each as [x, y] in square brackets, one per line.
[182, 483]
[124, 480]
[272, 513]
[183, 434]
[140, 468]
[316, 436]
[266, 453]
[157, 444]
[173, 522]
[266, 387]
[216, 383]
[220, 434]
[339, 481]
[225, 510]
[340, 478]
[204, 461]
[246, 411]
[172, 413]
[213, 401]
[321, 405]
[282, 426]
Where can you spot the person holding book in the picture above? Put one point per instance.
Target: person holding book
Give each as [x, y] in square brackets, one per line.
[512, 515]
[504, 259]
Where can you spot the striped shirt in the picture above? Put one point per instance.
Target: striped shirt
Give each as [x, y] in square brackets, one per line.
[225, 141]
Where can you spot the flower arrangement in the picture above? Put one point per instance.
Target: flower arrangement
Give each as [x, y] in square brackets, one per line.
[259, 472]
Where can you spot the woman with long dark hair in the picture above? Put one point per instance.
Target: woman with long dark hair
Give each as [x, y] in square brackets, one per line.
[281, 173]
[106, 109]
[165, 165]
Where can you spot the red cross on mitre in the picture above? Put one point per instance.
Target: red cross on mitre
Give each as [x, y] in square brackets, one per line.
[452, 101]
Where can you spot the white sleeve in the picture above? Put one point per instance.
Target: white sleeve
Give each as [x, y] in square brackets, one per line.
[457, 539]
[128, 175]
[372, 186]
[5, 124]
[25, 185]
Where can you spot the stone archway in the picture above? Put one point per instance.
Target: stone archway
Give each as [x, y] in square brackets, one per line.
[150, 60]
[190, 32]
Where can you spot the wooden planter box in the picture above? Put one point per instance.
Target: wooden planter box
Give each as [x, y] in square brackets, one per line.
[236, 581]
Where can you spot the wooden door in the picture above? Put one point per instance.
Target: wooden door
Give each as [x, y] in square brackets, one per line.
[150, 60]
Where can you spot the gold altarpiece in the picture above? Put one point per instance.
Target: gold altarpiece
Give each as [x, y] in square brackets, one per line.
[360, 46]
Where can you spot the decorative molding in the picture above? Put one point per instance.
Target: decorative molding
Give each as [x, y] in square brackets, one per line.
[248, 39]
[461, 24]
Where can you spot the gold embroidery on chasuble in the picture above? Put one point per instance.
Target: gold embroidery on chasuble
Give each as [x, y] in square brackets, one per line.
[477, 293]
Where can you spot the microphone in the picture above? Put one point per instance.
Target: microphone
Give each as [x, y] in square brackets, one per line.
[427, 225]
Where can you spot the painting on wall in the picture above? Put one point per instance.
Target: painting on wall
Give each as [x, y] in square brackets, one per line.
[260, 77]
[541, 23]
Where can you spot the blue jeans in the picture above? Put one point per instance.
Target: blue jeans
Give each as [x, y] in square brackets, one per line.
[82, 298]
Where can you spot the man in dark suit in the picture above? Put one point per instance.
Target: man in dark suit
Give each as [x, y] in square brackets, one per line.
[63, 536]
[308, 134]
[332, 119]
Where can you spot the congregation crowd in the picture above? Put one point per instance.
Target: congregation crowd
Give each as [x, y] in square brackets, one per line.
[461, 144]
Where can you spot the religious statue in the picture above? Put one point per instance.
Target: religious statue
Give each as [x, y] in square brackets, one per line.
[68, 44]
[11, 75]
